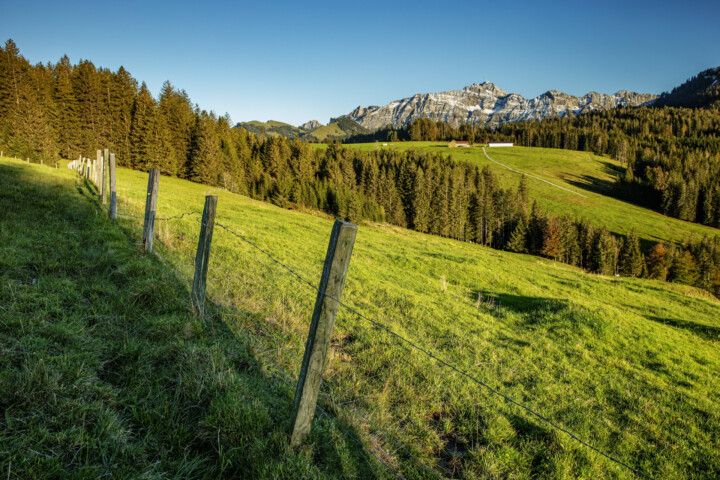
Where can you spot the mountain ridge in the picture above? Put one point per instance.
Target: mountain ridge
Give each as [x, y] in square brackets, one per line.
[488, 105]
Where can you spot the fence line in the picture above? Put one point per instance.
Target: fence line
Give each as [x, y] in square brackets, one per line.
[436, 358]
[261, 350]
[404, 340]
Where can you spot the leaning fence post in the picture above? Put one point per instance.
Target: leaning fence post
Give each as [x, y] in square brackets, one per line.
[202, 258]
[335, 269]
[113, 191]
[150, 206]
[106, 158]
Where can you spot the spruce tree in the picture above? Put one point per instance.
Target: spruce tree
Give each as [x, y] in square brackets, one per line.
[631, 258]
[205, 160]
[421, 203]
[143, 130]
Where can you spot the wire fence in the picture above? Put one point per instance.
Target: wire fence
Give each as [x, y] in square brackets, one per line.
[266, 342]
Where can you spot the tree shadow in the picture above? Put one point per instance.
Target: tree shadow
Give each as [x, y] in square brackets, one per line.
[519, 303]
[157, 363]
[708, 332]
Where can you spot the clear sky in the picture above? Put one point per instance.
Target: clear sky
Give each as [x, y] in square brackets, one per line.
[297, 61]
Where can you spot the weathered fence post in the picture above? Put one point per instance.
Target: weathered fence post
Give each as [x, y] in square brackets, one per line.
[150, 206]
[98, 167]
[337, 261]
[113, 191]
[106, 159]
[202, 258]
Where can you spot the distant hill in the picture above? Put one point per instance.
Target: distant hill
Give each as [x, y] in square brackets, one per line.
[271, 127]
[313, 131]
[700, 91]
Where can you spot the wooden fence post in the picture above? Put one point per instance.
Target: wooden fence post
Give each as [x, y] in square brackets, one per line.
[335, 269]
[98, 161]
[113, 191]
[106, 159]
[202, 258]
[150, 207]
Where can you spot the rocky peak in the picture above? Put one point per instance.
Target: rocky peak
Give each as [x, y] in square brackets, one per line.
[311, 125]
[487, 104]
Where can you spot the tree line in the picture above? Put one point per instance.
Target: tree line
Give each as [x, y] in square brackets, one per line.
[672, 154]
[69, 110]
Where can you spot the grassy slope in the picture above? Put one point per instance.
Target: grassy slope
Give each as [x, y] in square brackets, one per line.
[330, 130]
[104, 371]
[582, 172]
[629, 365]
[272, 128]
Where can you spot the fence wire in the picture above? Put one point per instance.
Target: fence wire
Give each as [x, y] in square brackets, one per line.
[378, 325]
[434, 357]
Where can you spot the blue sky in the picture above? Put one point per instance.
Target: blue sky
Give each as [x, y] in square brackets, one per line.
[296, 61]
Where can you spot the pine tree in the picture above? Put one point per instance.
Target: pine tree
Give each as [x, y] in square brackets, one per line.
[631, 258]
[421, 203]
[683, 268]
[143, 126]
[536, 228]
[205, 160]
[519, 236]
[65, 109]
[603, 253]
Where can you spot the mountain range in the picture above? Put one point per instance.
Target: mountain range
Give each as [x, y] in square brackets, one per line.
[486, 104]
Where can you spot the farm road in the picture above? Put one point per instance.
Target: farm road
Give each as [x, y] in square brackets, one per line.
[531, 176]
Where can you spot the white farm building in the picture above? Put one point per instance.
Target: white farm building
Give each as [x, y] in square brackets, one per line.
[500, 144]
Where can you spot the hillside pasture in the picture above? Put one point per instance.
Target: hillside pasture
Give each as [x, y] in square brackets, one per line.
[628, 365]
[582, 172]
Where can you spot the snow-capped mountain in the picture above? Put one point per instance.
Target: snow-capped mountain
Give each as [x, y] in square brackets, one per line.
[486, 104]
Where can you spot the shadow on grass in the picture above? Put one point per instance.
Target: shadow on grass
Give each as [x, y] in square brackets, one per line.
[519, 303]
[708, 332]
[141, 380]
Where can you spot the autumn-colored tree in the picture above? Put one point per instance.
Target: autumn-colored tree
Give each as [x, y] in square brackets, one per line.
[657, 262]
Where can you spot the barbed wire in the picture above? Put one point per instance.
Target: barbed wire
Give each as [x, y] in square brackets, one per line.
[436, 358]
[401, 338]
[294, 379]
[241, 237]
[177, 217]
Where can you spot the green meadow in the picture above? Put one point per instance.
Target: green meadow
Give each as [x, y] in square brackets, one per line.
[583, 172]
[629, 366]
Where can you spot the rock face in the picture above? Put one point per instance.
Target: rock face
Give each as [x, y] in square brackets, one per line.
[486, 104]
[311, 125]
